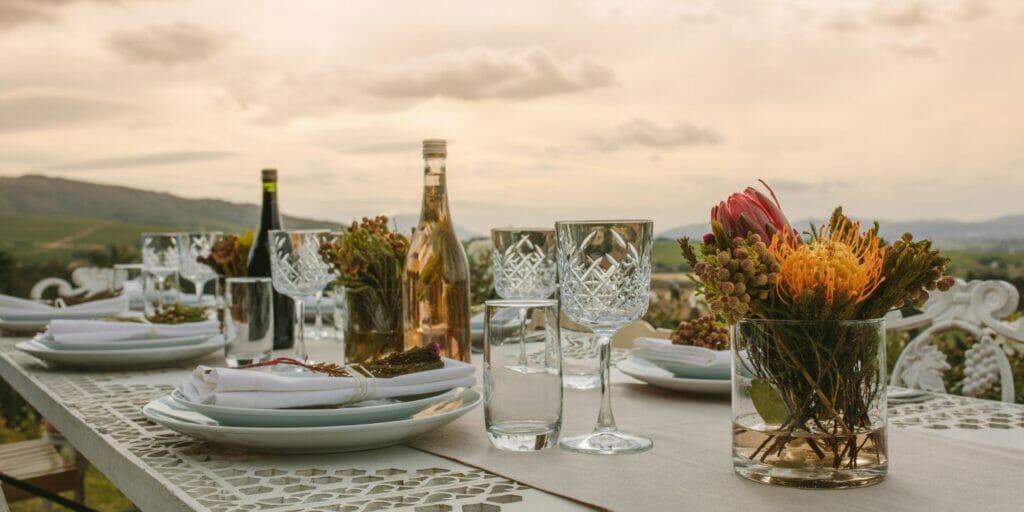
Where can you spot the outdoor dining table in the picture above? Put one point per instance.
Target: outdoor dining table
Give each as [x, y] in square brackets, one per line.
[947, 453]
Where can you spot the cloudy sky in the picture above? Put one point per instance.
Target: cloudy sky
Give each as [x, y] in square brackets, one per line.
[575, 109]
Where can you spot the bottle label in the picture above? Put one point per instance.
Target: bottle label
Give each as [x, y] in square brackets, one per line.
[270, 186]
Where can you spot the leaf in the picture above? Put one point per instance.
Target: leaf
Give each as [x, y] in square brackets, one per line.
[767, 402]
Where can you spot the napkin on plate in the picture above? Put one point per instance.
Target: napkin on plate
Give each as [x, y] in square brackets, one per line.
[84, 331]
[657, 349]
[18, 307]
[258, 389]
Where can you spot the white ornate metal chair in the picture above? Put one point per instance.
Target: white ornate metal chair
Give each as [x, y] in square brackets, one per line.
[978, 308]
[88, 281]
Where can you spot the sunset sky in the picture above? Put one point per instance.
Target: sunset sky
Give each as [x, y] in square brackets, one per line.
[553, 110]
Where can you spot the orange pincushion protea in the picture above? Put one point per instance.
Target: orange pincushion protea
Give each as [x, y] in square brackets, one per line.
[841, 261]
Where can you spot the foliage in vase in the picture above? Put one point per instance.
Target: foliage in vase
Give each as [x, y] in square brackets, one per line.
[368, 261]
[813, 362]
[229, 256]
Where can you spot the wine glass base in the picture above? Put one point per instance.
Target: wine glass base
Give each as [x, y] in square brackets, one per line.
[607, 443]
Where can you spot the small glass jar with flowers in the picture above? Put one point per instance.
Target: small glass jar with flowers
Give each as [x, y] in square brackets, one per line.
[368, 261]
[808, 336]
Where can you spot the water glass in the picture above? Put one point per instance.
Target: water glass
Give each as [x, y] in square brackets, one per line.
[249, 320]
[522, 396]
[159, 289]
[581, 357]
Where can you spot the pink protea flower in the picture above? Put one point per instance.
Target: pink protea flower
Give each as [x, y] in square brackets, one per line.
[752, 212]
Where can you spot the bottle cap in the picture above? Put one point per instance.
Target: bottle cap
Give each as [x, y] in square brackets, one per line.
[435, 147]
[269, 174]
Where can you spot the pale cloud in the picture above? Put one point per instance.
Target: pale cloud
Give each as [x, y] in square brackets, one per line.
[170, 44]
[903, 14]
[917, 46]
[14, 13]
[482, 73]
[643, 133]
[816, 187]
[147, 160]
[972, 10]
[36, 109]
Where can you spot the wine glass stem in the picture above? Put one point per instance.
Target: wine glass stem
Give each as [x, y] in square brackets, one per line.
[318, 322]
[605, 419]
[300, 337]
[522, 337]
[199, 286]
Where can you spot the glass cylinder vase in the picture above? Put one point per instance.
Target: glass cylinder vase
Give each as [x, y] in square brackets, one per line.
[373, 323]
[808, 402]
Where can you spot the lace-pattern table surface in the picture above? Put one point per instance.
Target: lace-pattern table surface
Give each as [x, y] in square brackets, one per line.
[100, 414]
[158, 469]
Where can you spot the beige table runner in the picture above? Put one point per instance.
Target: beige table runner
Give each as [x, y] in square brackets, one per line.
[690, 467]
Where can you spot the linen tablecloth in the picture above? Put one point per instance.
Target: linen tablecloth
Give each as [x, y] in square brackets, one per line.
[690, 467]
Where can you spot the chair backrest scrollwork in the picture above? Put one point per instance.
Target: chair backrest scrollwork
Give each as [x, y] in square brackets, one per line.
[85, 282]
[978, 308]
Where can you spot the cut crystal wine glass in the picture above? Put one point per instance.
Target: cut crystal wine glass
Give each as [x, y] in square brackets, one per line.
[160, 253]
[605, 269]
[191, 247]
[523, 265]
[298, 271]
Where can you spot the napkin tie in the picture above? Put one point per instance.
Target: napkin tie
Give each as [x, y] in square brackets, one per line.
[365, 387]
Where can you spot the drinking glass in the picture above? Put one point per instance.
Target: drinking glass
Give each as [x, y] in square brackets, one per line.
[249, 320]
[159, 290]
[523, 265]
[160, 253]
[191, 247]
[298, 271]
[336, 291]
[319, 331]
[127, 279]
[605, 270]
[522, 401]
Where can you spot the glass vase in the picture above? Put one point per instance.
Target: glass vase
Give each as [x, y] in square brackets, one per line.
[373, 326]
[808, 402]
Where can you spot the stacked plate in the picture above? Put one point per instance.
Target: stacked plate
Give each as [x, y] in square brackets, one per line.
[232, 408]
[679, 367]
[23, 315]
[97, 344]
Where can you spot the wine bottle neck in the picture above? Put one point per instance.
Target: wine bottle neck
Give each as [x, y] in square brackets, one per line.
[269, 215]
[435, 190]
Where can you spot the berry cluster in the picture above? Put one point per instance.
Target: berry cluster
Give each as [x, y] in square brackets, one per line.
[705, 331]
[732, 278]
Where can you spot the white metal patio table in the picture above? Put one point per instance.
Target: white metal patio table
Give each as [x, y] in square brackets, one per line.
[161, 470]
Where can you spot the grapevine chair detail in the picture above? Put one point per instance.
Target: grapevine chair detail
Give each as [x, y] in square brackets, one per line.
[979, 308]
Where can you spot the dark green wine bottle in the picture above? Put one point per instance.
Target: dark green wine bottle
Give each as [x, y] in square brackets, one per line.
[259, 262]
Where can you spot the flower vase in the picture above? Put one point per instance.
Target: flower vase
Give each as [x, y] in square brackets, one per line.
[373, 326]
[808, 402]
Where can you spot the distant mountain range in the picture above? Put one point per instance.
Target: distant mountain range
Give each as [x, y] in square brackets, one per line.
[41, 195]
[1003, 234]
[58, 197]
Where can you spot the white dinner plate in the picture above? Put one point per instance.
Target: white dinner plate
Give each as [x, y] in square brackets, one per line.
[23, 326]
[333, 439]
[134, 358]
[123, 344]
[375, 411]
[652, 374]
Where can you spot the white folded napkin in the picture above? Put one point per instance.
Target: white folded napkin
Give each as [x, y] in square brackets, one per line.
[657, 349]
[259, 389]
[84, 331]
[18, 307]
